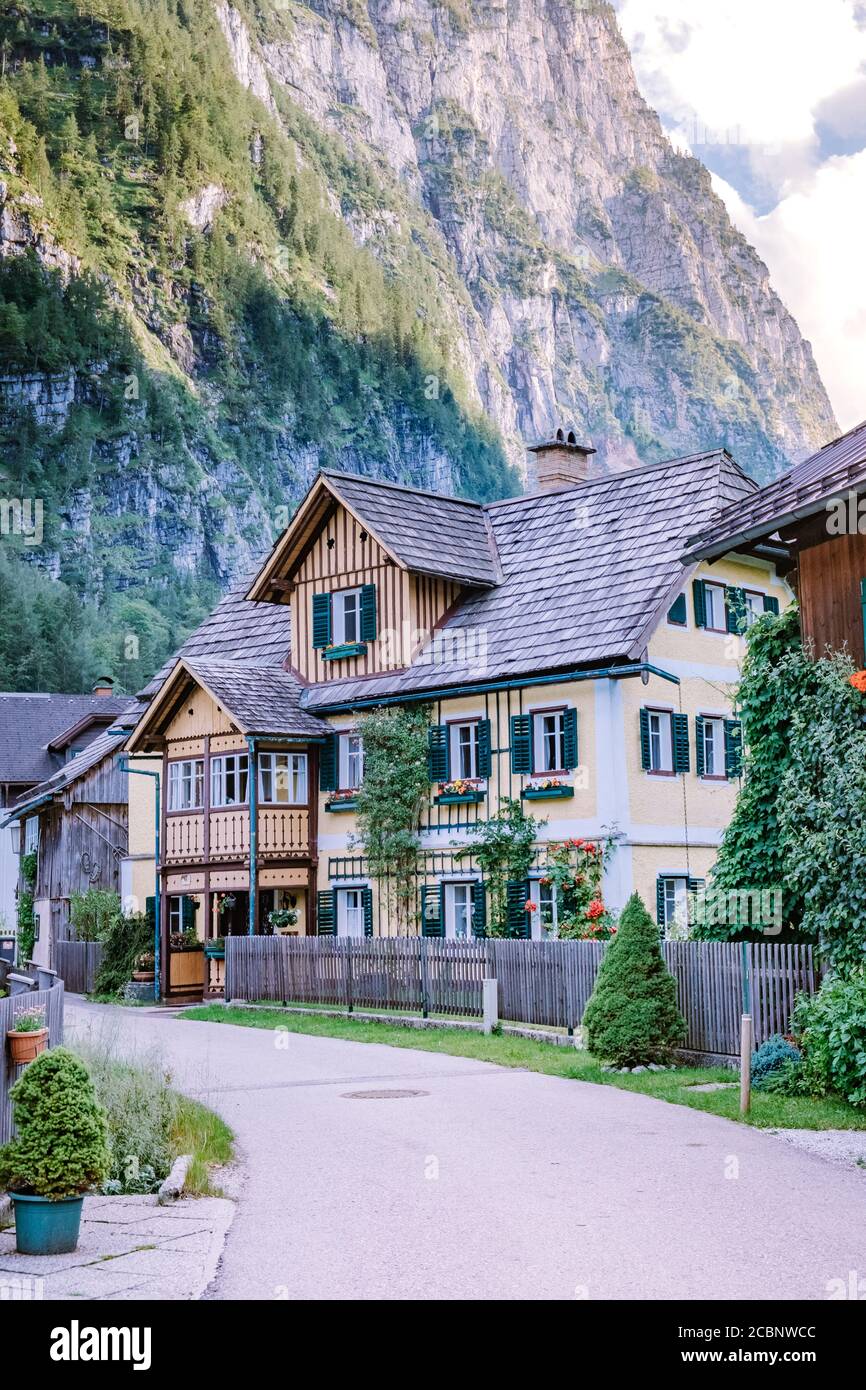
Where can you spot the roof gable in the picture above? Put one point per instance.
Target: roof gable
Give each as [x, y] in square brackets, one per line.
[258, 700]
[30, 722]
[425, 532]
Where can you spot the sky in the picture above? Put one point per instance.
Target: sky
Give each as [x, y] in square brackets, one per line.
[771, 96]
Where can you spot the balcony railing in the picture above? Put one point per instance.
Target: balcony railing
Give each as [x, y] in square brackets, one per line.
[283, 833]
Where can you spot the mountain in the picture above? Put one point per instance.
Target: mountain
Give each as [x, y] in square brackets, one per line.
[243, 240]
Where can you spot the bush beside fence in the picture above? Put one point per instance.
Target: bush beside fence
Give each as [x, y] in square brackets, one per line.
[545, 983]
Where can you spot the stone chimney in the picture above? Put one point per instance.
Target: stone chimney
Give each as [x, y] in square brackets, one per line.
[560, 461]
[104, 686]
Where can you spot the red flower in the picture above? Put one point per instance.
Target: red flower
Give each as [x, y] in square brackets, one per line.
[530, 907]
[595, 909]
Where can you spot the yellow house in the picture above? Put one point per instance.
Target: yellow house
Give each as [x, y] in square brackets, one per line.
[569, 660]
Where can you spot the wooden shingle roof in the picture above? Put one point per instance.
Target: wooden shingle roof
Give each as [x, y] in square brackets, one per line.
[831, 472]
[259, 699]
[426, 532]
[586, 574]
[255, 634]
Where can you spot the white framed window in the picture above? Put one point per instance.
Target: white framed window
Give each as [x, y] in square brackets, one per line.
[714, 607]
[661, 740]
[31, 834]
[186, 784]
[346, 608]
[713, 735]
[544, 919]
[458, 910]
[283, 779]
[754, 606]
[229, 778]
[175, 914]
[464, 749]
[675, 904]
[350, 912]
[549, 739]
[351, 761]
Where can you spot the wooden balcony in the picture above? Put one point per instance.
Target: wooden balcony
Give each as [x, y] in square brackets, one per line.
[284, 833]
[184, 838]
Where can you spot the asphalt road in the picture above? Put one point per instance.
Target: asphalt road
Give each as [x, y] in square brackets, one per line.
[492, 1183]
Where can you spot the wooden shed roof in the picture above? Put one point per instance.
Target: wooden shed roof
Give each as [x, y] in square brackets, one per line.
[805, 489]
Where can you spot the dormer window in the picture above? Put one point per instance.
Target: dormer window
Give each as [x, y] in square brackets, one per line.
[347, 616]
[344, 621]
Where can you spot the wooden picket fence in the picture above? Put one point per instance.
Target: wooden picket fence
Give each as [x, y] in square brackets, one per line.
[77, 963]
[545, 983]
[51, 1000]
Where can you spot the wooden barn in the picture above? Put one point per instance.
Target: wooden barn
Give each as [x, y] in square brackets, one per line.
[81, 835]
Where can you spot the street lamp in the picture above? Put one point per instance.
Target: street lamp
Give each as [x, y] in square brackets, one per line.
[15, 832]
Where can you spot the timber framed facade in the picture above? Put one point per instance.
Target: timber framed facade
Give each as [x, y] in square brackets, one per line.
[568, 658]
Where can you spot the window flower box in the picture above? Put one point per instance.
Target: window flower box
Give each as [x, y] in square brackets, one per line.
[215, 949]
[547, 790]
[345, 649]
[459, 793]
[347, 802]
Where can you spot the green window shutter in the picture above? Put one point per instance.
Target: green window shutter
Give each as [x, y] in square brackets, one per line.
[569, 739]
[328, 764]
[733, 748]
[368, 612]
[367, 904]
[700, 602]
[680, 742]
[321, 620]
[188, 909]
[516, 917]
[438, 753]
[326, 923]
[521, 743]
[660, 901]
[645, 754]
[694, 885]
[432, 915]
[735, 609]
[771, 605]
[485, 761]
[479, 908]
[700, 766]
[677, 612]
[150, 912]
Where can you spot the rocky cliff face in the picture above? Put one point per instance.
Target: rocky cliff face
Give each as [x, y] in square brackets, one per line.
[606, 282]
[392, 236]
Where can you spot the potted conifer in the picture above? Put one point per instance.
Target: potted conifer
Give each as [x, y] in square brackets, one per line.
[60, 1150]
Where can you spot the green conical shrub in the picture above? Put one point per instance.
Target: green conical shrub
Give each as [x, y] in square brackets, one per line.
[61, 1148]
[632, 1017]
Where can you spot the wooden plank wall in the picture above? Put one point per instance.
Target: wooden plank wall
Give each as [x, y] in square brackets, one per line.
[51, 1000]
[77, 962]
[540, 982]
[829, 593]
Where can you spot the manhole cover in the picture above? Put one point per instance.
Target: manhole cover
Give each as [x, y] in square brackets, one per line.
[381, 1095]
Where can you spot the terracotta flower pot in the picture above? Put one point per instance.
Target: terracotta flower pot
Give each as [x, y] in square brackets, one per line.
[143, 975]
[25, 1046]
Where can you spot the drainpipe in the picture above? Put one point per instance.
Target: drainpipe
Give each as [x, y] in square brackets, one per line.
[123, 764]
[254, 816]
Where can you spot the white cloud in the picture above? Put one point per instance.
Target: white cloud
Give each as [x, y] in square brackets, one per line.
[755, 75]
[813, 243]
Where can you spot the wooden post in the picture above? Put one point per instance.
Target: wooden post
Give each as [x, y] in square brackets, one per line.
[745, 1063]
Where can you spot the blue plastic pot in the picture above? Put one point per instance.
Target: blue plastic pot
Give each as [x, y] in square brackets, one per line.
[45, 1225]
